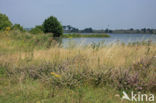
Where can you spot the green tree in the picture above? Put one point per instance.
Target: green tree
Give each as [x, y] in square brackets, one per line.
[144, 30]
[18, 27]
[4, 22]
[69, 27]
[52, 25]
[87, 30]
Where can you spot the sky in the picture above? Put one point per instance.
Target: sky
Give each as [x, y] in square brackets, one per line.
[98, 14]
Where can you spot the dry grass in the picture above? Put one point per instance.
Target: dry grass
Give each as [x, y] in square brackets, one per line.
[123, 67]
[115, 56]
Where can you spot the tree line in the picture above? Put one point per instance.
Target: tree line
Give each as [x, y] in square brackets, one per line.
[70, 29]
[52, 25]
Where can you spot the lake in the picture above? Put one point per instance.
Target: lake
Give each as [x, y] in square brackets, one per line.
[123, 38]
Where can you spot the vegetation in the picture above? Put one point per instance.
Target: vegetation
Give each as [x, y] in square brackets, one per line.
[84, 36]
[35, 69]
[6, 25]
[136, 31]
[52, 25]
[4, 22]
[87, 30]
[18, 27]
[37, 30]
[70, 29]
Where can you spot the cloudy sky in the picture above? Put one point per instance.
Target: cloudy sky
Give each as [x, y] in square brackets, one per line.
[99, 14]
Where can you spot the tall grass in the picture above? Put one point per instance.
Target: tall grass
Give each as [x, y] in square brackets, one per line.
[33, 73]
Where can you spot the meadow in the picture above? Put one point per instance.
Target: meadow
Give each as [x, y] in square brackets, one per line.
[37, 69]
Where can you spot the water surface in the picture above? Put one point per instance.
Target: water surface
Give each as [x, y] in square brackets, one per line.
[123, 38]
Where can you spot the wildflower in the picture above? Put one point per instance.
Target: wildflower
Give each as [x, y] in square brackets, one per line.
[56, 75]
[7, 29]
[140, 65]
[38, 102]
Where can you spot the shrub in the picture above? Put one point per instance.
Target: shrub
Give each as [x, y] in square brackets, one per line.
[18, 27]
[52, 25]
[37, 30]
[4, 22]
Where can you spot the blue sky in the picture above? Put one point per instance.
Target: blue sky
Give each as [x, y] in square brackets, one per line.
[99, 14]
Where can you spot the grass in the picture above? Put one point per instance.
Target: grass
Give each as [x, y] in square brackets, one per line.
[85, 36]
[35, 70]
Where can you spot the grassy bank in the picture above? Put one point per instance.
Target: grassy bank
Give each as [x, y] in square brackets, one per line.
[85, 36]
[35, 69]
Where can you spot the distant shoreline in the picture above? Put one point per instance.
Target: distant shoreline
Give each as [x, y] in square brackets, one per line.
[109, 33]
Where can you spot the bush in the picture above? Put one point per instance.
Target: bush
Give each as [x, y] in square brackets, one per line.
[52, 25]
[18, 27]
[4, 22]
[37, 30]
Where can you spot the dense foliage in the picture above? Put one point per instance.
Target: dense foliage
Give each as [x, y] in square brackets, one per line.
[4, 22]
[52, 25]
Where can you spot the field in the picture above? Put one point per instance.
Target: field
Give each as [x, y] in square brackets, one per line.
[37, 69]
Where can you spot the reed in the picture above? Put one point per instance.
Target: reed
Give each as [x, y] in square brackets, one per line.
[85, 35]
